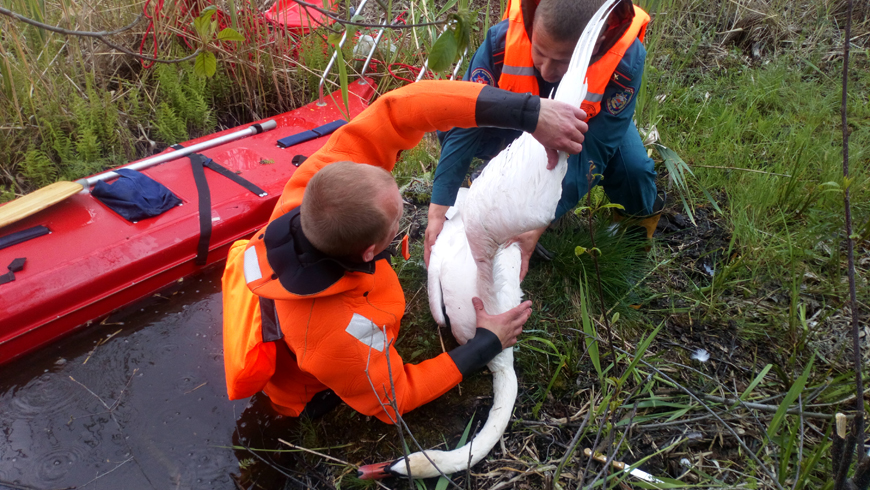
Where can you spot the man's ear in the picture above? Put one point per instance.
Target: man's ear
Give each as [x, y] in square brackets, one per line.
[369, 253]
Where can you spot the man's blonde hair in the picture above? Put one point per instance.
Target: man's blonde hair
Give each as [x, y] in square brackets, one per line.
[342, 212]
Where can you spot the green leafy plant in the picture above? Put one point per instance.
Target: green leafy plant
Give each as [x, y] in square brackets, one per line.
[452, 42]
[678, 172]
[206, 28]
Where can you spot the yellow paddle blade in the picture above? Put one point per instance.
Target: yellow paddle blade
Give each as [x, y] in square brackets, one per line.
[36, 201]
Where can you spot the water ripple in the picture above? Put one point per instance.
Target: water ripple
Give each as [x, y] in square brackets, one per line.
[53, 466]
[43, 396]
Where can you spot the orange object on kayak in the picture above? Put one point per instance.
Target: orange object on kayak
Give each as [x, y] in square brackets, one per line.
[294, 16]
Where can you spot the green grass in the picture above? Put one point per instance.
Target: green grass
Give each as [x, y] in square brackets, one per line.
[752, 105]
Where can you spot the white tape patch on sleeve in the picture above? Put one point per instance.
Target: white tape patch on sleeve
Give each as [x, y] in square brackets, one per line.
[367, 332]
[252, 265]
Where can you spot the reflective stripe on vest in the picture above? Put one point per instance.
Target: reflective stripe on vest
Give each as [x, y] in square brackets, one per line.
[518, 74]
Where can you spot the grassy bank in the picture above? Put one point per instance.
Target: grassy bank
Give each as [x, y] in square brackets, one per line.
[747, 94]
[743, 306]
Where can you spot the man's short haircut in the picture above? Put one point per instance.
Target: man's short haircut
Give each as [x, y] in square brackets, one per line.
[564, 20]
[342, 211]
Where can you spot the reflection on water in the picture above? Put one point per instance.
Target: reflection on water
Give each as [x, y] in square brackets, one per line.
[146, 408]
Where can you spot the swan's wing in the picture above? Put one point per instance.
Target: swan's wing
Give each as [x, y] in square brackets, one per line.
[445, 268]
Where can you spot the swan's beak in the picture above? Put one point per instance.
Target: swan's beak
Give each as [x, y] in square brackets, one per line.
[375, 471]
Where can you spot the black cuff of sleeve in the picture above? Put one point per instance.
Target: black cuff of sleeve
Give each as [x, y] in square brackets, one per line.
[477, 352]
[502, 109]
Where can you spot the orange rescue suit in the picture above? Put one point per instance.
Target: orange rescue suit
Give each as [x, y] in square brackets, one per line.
[339, 328]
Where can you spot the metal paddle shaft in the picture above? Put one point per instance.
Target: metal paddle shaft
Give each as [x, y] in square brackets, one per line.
[250, 131]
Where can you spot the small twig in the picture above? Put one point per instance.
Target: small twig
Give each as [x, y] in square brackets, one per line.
[676, 422]
[325, 456]
[392, 402]
[572, 446]
[768, 408]
[395, 405]
[611, 453]
[582, 476]
[332, 16]
[801, 447]
[589, 179]
[470, 454]
[742, 169]
[838, 402]
[99, 35]
[92, 393]
[122, 463]
[102, 341]
[399, 421]
[198, 387]
[522, 475]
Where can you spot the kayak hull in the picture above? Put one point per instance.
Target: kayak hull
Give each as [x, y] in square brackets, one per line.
[94, 261]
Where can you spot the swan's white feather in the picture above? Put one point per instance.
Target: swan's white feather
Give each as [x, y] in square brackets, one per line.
[474, 256]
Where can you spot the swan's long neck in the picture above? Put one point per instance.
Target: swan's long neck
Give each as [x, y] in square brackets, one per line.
[504, 274]
[515, 194]
[504, 381]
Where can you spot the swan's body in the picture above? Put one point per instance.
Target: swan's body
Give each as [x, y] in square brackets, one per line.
[516, 193]
[452, 284]
[474, 256]
[453, 272]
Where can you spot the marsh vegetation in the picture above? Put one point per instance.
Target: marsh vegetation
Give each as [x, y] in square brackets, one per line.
[730, 335]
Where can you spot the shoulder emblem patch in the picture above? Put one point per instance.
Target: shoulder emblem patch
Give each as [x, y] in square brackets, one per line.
[619, 101]
[480, 75]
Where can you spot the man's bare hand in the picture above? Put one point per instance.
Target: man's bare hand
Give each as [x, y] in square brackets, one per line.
[507, 326]
[527, 242]
[560, 128]
[437, 217]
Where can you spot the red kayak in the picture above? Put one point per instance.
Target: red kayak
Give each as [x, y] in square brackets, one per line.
[294, 16]
[81, 260]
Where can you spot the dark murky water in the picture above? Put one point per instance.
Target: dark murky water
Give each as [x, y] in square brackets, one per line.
[146, 408]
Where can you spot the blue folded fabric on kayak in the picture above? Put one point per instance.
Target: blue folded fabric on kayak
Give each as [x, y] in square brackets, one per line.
[135, 196]
[295, 139]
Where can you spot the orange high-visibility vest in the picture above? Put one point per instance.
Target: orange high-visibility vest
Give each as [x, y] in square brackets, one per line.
[519, 74]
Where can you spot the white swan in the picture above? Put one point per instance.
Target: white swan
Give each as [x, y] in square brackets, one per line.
[474, 256]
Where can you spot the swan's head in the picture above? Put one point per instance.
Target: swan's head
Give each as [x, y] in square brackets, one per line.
[376, 471]
[418, 463]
